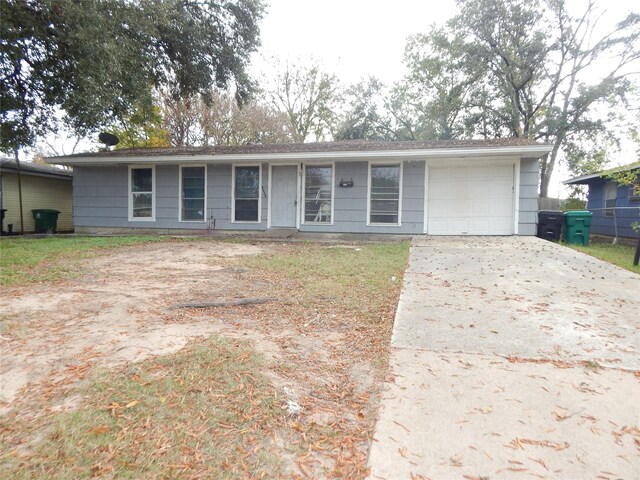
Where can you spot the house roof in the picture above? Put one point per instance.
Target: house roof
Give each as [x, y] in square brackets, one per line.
[342, 149]
[8, 165]
[583, 179]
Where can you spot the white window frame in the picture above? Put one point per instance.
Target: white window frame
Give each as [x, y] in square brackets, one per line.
[233, 193]
[609, 211]
[634, 193]
[180, 219]
[304, 189]
[401, 173]
[152, 218]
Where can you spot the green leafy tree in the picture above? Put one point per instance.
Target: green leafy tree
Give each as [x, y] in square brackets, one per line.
[94, 59]
[144, 128]
[522, 68]
[374, 112]
[364, 117]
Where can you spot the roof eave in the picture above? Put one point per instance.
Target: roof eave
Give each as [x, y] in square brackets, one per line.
[524, 151]
[583, 179]
[59, 176]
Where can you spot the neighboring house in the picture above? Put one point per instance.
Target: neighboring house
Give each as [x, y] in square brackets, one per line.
[481, 187]
[42, 187]
[614, 207]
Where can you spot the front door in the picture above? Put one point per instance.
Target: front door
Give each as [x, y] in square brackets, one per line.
[284, 187]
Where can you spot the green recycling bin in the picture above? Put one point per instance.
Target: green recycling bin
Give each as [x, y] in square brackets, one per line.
[577, 224]
[46, 220]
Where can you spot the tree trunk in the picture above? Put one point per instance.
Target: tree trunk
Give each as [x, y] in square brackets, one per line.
[547, 170]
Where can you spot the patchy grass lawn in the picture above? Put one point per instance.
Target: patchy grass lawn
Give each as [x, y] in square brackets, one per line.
[24, 260]
[206, 412]
[620, 255]
[216, 408]
[359, 277]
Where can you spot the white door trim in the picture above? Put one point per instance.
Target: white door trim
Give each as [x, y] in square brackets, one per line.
[516, 196]
[426, 198]
[470, 162]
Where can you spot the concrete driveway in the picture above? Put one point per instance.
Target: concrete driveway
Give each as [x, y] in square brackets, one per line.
[512, 358]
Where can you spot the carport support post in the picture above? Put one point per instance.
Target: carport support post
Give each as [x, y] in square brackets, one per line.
[19, 191]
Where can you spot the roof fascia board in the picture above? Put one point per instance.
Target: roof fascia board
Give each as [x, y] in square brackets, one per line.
[522, 151]
[591, 176]
[32, 173]
[581, 179]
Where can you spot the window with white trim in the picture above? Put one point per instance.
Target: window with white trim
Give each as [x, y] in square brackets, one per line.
[192, 194]
[318, 193]
[634, 193]
[610, 196]
[141, 198]
[246, 192]
[384, 194]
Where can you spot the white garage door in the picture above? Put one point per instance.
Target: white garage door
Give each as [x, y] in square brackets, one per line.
[470, 200]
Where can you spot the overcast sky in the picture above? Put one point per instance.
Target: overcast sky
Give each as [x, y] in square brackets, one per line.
[352, 38]
[357, 38]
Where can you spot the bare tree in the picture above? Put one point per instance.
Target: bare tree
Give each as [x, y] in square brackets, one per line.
[308, 97]
[220, 120]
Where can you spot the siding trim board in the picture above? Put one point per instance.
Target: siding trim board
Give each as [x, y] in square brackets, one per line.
[516, 196]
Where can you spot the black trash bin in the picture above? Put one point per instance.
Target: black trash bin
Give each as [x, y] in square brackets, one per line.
[550, 224]
[46, 220]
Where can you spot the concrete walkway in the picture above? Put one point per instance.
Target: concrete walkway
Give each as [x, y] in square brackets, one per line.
[512, 358]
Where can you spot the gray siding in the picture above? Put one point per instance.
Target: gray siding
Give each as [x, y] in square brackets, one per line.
[350, 209]
[100, 199]
[219, 179]
[528, 216]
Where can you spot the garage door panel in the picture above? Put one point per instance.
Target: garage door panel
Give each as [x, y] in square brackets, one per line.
[479, 191]
[481, 207]
[461, 225]
[501, 209]
[441, 209]
[472, 200]
[481, 225]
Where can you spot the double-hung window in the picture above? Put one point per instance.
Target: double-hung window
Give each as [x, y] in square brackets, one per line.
[142, 182]
[246, 194]
[318, 194]
[385, 191]
[193, 187]
[610, 196]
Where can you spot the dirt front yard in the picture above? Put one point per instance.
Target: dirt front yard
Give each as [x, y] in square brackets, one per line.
[314, 353]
